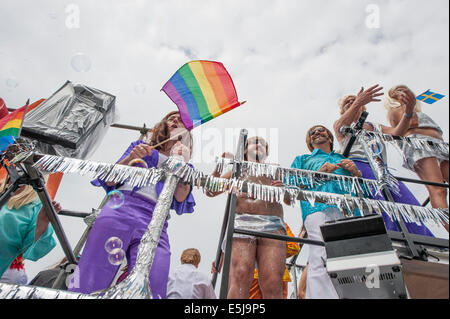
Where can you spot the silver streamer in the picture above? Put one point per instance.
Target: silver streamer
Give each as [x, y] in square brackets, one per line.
[278, 194]
[394, 210]
[424, 144]
[293, 176]
[10, 291]
[188, 174]
[135, 176]
[430, 146]
[136, 284]
[382, 175]
[90, 219]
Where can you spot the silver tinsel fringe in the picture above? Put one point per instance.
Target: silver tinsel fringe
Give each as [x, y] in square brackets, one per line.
[297, 177]
[419, 143]
[10, 291]
[134, 176]
[398, 141]
[379, 168]
[209, 183]
[278, 194]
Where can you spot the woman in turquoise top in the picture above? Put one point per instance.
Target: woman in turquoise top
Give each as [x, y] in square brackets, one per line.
[24, 228]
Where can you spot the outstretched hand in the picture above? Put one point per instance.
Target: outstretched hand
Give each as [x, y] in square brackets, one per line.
[370, 95]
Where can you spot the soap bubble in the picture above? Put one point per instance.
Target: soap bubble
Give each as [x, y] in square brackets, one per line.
[115, 199]
[113, 243]
[80, 62]
[12, 83]
[116, 256]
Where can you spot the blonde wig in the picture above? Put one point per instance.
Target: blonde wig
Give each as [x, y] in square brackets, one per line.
[341, 103]
[391, 103]
[26, 196]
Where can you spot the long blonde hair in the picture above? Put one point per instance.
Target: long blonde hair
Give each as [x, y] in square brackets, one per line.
[391, 103]
[26, 196]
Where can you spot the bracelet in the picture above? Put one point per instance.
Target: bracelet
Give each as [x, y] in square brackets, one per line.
[409, 116]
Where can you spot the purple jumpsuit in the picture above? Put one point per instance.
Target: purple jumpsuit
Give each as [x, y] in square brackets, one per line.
[128, 222]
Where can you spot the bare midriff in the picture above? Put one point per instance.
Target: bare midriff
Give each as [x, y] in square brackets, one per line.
[246, 205]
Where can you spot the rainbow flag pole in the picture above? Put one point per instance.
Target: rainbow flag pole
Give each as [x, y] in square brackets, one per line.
[202, 90]
[23, 118]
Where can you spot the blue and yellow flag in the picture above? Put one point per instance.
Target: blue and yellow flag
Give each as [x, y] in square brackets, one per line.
[430, 97]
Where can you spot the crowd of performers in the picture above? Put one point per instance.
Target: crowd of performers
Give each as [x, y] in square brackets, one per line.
[25, 231]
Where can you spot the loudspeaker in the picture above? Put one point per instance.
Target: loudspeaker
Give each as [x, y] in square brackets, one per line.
[361, 261]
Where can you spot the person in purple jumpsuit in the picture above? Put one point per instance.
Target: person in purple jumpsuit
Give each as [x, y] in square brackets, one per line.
[129, 221]
[351, 108]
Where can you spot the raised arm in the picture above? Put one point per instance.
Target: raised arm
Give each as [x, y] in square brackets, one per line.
[42, 221]
[216, 173]
[399, 119]
[362, 98]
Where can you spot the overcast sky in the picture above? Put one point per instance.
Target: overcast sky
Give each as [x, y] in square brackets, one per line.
[290, 60]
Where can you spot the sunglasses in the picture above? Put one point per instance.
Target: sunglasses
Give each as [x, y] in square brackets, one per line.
[257, 142]
[319, 129]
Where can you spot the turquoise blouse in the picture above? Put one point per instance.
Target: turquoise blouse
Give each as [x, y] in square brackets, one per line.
[314, 162]
[17, 228]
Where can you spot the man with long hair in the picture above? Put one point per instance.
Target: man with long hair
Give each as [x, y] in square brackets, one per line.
[322, 159]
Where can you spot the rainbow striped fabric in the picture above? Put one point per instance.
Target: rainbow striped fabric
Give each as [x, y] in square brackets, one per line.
[202, 90]
[10, 127]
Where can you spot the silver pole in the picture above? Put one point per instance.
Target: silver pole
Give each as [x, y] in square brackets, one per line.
[41, 190]
[239, 157]
[136, 284]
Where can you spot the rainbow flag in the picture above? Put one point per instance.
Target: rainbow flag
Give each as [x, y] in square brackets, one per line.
[202, 90]
[10, 127]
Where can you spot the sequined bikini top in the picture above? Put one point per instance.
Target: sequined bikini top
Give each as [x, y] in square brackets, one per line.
[424, 121]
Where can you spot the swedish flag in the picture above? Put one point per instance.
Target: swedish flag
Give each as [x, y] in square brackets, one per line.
[430, 97]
